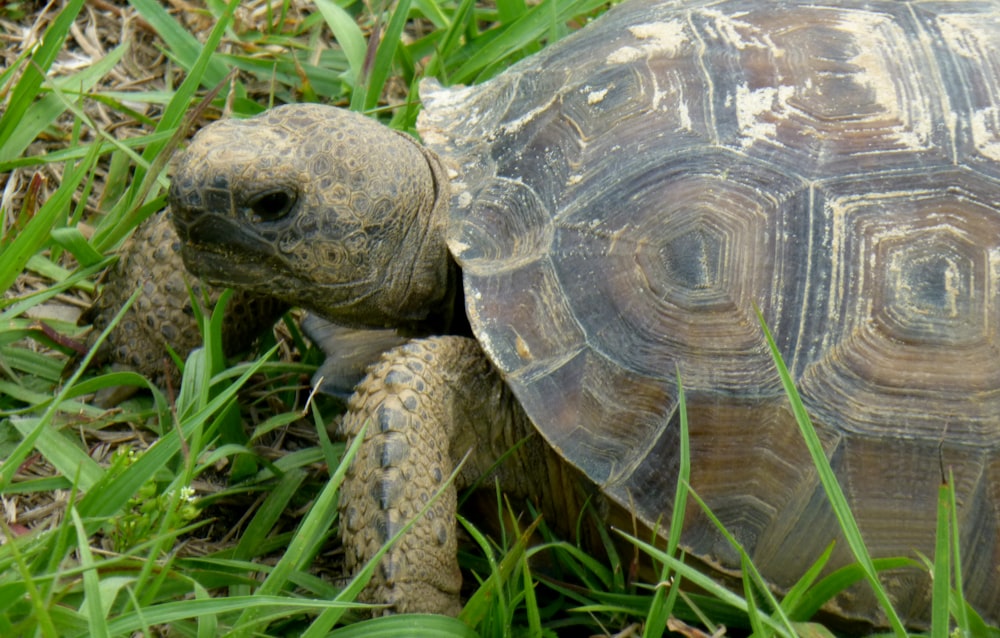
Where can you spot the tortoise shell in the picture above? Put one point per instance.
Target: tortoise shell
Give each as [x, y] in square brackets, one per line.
[622, 200]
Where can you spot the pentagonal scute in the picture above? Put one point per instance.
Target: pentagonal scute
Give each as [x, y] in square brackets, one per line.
[911, 333]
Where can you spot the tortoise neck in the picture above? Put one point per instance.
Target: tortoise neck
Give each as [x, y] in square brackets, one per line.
[426, 280]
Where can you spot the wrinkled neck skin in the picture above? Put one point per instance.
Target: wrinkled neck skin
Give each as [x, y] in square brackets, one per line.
[424, 277]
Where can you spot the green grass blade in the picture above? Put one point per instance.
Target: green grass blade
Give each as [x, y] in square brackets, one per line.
[25, 92]
[511, 10]
[940, 601]
[308, 537]
[33, 236]
[415, 625]
[28, 442]
[37, 598]
[348, 34]
[491, 595]
[269, 513]
[108, 497]
[93, 607]
[157, 153]
[73, 240]
[832, 487]
[683, 473]
[528, 29]
[80, 151]
[661, 607]
[451, 41]
[793, 602]
[17, 307]
[46, 110]
[964, 616]
[751, 576]
[170, 612]
[753, 614]
[530, 599]
[491, 592]
[181, 43]
[61, 452]
[832, 584]
[702, 580]
[366, 99]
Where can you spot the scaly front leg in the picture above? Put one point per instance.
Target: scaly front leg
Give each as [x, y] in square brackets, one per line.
[428, 403]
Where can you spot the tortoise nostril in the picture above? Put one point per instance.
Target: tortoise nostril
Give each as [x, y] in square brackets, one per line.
[272, 205]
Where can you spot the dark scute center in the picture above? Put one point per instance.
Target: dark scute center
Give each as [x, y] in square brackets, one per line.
[693, 260]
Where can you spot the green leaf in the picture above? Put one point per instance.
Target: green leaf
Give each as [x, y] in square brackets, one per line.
[798, 596]
[62, 452]
[46, 110]
[941, 599]
[528, 29]
[93, 607]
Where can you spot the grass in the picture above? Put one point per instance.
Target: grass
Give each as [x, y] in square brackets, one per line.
[211, 510]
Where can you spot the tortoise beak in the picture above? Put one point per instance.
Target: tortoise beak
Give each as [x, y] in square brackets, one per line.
[219, 248]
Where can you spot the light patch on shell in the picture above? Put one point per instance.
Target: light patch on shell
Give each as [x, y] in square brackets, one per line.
[654, 39]
[458, 248]
[435, 137]
[596, 97]
[624, 55]
[513, 126]
[681, 110]
[447, 112]
[486, 328]
[752, 104]
[521, 346]
[880, 73]
[739, 33]
[452, 97]
[885, 78]
[985, 128]
[960, 34]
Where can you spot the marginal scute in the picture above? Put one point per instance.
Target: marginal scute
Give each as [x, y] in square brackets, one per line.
[538, 329]
[913, 322]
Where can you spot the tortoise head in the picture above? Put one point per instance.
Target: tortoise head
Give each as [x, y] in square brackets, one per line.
[319, 207]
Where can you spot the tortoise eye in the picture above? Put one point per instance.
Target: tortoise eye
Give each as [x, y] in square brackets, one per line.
[272, 205]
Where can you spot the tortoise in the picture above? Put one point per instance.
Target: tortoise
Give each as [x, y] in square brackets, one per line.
[575, 233]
